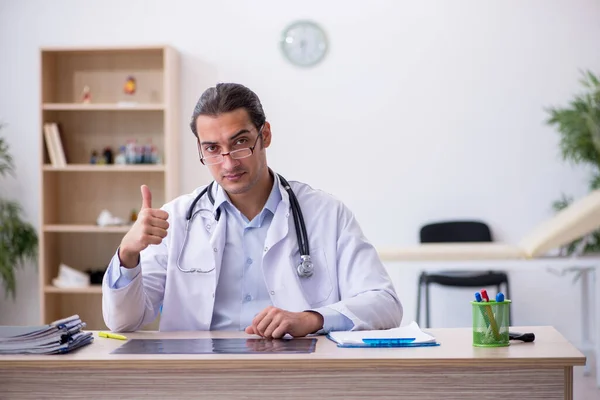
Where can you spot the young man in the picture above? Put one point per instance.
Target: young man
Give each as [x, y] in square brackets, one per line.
[239, 263]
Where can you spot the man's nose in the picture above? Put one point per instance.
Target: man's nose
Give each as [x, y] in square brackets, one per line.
[229, 162]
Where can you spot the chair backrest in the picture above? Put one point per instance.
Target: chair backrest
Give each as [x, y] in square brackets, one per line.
[455, 231]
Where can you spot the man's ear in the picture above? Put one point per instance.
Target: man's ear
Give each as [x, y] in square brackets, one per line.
[266, 133]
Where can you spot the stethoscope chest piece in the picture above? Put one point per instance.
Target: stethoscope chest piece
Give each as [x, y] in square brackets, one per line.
[305, 268]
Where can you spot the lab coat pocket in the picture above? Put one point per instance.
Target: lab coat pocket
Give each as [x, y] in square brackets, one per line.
[318, 287]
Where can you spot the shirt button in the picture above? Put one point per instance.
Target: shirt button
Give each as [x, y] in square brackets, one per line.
[248, 297]
[266, 248]
[213, 295]
[272, 292]
[215, 249]
[208, 227]
[249, 261]
[287, 215]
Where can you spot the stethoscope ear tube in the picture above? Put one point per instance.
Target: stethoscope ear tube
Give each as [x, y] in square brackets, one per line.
[298, 219]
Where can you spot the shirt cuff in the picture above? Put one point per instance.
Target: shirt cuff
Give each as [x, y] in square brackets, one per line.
[333, 320]
[120, 276]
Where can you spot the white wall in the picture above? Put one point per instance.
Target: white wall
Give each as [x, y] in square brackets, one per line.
[434, 108]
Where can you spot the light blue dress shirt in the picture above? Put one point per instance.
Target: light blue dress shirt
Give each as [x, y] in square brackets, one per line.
[241, 291]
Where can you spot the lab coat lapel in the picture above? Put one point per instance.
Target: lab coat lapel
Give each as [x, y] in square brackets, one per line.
[280, 244]
[280, 225]
[217, 241]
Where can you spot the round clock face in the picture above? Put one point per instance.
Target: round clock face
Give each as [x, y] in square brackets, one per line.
[304, 43]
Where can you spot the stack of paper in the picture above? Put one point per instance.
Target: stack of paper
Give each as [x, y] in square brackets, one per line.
[58, 337]
[404, 336]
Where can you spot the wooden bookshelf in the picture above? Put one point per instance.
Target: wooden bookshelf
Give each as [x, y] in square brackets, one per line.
[74, 194]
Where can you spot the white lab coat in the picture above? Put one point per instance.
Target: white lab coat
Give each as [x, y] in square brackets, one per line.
[348, 274]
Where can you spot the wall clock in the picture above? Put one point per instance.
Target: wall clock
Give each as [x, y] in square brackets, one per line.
[304, 43]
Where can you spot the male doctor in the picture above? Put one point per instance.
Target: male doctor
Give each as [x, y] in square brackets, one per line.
[236, 266]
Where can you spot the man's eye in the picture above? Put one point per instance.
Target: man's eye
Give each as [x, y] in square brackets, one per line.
[241, 141]
[211, 149]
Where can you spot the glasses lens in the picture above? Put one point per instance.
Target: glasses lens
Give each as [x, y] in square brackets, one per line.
[241, 153]
[212, 160]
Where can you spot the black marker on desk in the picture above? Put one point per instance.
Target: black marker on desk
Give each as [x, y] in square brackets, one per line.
[524, 337]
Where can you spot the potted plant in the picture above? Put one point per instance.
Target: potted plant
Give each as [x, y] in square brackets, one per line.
[18, 239]
[579, 126]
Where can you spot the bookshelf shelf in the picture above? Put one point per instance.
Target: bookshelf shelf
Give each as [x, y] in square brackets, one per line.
[105, 168]
[102, 107]
[92, 289]
[75, 191]
[86, 228]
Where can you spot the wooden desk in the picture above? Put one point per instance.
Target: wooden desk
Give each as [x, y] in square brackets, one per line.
[454, 370]
[587, 267]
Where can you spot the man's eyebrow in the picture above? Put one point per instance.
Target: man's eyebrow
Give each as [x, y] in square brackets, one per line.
[241, 132]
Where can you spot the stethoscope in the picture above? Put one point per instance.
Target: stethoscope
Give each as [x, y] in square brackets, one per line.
[304, 269]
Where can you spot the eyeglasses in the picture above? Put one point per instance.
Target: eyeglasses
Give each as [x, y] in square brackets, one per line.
[235, 154]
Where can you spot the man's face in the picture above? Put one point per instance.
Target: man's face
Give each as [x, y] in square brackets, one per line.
[228, 132]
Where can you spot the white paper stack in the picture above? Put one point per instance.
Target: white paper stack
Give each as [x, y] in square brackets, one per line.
[58, 337]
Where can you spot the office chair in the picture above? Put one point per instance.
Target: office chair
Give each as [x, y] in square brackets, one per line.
[458, 231]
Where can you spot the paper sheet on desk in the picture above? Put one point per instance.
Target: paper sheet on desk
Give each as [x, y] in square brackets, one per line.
[406, 336]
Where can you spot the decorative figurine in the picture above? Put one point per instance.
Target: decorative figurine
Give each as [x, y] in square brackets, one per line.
[133, 216]
[86, 95]
[94, 158]
[129, 87]
[108, 155]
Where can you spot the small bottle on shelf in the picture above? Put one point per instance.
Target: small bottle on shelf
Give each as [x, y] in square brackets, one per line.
[121, 157]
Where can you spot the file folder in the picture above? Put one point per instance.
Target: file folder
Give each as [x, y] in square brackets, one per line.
[405, 336]
[58, 337]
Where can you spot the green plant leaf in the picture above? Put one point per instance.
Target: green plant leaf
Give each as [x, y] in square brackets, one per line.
[6, 161]
[578, 124]
[18, 243]
[18, 239]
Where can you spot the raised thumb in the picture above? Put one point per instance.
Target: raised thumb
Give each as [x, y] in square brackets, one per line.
[146, 197]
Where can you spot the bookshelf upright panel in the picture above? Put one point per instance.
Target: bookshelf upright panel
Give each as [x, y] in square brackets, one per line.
[93, 99]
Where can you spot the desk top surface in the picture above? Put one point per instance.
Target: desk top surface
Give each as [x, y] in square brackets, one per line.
[550, 349]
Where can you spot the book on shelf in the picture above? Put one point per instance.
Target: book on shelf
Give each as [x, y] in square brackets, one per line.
[56, 151]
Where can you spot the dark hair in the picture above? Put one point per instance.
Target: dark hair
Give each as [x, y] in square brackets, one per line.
[226, 97]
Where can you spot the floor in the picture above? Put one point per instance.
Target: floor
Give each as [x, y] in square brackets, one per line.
[585, 387]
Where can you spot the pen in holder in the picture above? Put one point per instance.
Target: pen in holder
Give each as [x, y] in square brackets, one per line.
[490, 322]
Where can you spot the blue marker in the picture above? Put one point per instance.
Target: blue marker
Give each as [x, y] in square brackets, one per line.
[390, 341]
[500, 309]
[477, 297]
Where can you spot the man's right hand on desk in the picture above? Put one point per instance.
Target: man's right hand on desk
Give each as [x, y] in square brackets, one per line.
[149, 228]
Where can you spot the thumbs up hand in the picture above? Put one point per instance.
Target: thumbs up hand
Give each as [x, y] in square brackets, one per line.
[149, 228]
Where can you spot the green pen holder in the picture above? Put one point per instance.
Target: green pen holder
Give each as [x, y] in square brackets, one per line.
[490, 323]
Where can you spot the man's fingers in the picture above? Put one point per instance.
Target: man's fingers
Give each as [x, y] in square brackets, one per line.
[158, 223]
[281, 330]
[275, 323]
[151, 239]
[146, 197]
[154, 231]
[263, 324]
[250, 330]
[259, 317]
[158, 213]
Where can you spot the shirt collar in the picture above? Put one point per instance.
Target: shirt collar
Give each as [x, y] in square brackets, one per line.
[272, 202]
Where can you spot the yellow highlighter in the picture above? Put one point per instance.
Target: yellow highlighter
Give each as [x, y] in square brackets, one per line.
[112, 335]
